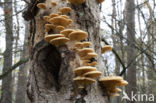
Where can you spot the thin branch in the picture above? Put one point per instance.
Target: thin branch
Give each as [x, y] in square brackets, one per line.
[117, 56]
[13, 67]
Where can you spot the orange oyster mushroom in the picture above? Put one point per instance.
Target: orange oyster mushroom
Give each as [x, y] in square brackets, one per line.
[48, 38]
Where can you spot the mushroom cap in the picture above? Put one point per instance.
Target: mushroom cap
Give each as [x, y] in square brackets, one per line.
[78, 44]
[86, 44]
[46, 18]
[53, 3]
[41, 5]
[53, 15]
[90, 64]
[114, 90]
[106, 48]
[59, 41]
[48, 27]
[60, 21]
[122, 83]
[66, 32]
[85, 61]
[100, 1]
[78, 2]
[48, 38]
[89, 56]
[83, 81]
[84, 69]
[85, 51]
[65, 10]
[111, 80]
[78, 35]
[65, 16]
[93, 74]
[60, 28]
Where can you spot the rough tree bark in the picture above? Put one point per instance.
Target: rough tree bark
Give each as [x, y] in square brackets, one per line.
[41, 84]
[7, 81]
[21, 96]
[131, 52]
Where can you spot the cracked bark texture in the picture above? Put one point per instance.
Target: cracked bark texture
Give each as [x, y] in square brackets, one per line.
[42, 86]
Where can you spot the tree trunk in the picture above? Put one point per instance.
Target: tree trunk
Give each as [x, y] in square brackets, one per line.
[7, 81]
[42, 87]
[131, 52]
[21, 96]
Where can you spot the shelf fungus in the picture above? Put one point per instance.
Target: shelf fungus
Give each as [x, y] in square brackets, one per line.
[100, 1]
[49, 27]
[41, 5]
[66, 32]
[59, 28]
[84, 69]
[111, 82]
[59, 41]
[93, 74]
[83, 81]
[46, 18]
[78, 35]
[59, 20]
[88, 56]
[77, 2]
[106, 48]
[53, 15]
[48, 38]
[84, 51]
[53, 3]
[65, 10]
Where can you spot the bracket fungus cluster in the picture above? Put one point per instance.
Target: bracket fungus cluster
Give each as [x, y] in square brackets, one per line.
[111, 83]
[86, 75]
[75, 39]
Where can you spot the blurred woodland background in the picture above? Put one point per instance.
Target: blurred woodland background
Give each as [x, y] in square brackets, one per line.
[131, 55]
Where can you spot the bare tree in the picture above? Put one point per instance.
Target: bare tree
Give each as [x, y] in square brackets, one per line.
[42, 85]
[131, 51]
[7, 81]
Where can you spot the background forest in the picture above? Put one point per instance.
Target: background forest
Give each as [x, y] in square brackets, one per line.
[131, 55]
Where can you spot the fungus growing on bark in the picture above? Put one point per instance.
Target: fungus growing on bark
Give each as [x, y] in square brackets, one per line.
[59, 20]
[111, 82]
[88, 56]
[78, 35]
[100, 1]
[84, 51]
[66, 32]
[59, 41]
[53, 15]
[82, 70]
[78, 45]
[46, 18]
[65, 16]
[60, 28]
[53, 3]
[48, 38]
[86, 44]
[41, 5]
[83, 81]
[93, 74]
[48, 27]
[106, 48]
[65, 10]
[78, 2]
